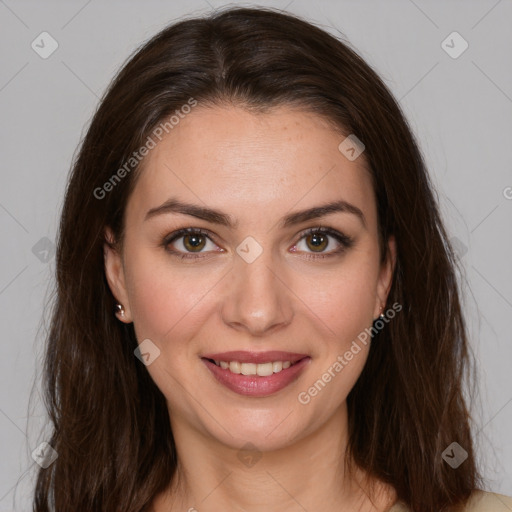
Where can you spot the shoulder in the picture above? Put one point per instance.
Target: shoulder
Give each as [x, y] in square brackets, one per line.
[480, 501]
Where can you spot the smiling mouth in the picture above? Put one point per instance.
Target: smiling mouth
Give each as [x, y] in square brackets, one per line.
[256, 379]
[255, 369]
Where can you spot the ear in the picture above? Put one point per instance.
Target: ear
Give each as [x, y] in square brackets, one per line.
[114, 272]
[385, 277]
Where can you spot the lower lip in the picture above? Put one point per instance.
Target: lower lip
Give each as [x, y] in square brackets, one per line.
[254, 385]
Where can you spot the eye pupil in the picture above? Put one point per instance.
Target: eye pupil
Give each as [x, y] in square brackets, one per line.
[195, 241]
[320, 241]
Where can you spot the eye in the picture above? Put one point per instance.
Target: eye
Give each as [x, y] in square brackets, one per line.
[317, 240]
[191, 242]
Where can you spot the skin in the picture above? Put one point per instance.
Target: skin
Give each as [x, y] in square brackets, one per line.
[256, 168]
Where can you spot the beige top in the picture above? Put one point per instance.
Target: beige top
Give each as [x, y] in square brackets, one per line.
[480, 501]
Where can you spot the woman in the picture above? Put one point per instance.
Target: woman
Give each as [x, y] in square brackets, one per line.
[251, 204]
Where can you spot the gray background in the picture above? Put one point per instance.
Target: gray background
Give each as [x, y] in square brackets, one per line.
[459, 108]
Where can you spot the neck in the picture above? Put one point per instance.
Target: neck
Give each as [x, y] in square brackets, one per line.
[308, 474]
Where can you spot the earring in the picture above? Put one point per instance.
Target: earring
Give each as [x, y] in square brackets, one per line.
[381, 316]
[119, 310]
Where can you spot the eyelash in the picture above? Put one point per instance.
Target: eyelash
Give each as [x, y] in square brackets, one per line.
[345, 242]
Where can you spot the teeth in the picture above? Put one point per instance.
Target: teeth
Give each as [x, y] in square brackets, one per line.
[262, 369]
[234, 367]
[248, 369]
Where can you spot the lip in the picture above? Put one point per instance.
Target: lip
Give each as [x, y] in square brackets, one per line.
[243, 356]
[254, 385]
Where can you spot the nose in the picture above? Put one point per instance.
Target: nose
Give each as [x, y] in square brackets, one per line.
[257, 297]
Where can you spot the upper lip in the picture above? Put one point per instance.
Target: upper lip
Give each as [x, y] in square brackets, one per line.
[255, 357]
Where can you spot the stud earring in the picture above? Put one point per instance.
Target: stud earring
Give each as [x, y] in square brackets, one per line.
[381, 316]
[119, 310]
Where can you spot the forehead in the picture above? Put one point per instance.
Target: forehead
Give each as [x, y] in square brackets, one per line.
[243, 162]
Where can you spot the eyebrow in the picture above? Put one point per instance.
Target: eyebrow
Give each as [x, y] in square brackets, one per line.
[173, 205]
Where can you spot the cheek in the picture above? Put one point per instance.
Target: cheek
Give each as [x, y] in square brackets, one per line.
[169, 307]
[342, 299]
[166, 303]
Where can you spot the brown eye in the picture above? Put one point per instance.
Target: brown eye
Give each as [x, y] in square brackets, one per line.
[319, 241]
[188, 243]
[194, 242]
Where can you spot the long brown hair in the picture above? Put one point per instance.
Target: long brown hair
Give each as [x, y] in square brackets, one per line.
[110, 421]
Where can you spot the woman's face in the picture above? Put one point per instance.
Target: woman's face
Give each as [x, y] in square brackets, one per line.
[253, 281]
